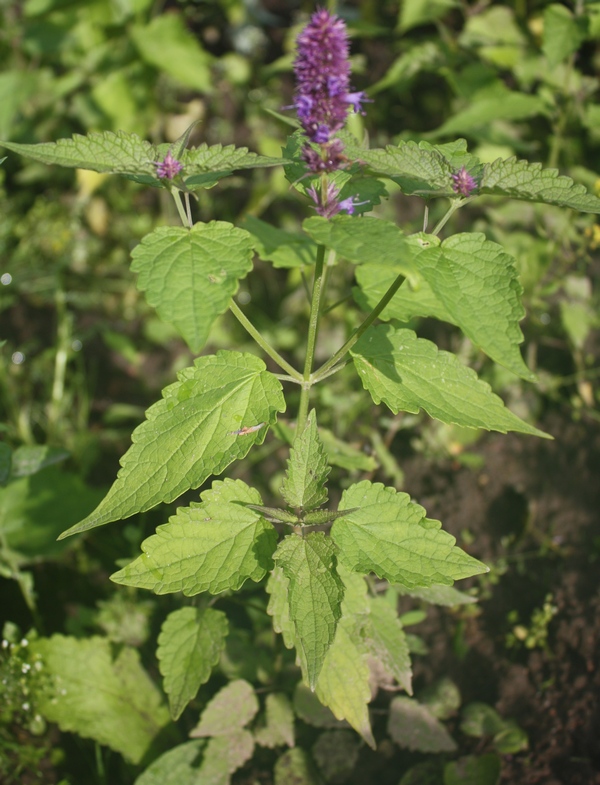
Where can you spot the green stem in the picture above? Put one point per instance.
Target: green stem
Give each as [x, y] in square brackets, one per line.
[185, 217]
[263, 343]
[325, 369]
[454, 206]
[311, 340]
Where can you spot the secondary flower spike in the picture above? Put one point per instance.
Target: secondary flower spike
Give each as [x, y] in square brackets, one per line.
[323, 92]
[168, 168]
[463, 183]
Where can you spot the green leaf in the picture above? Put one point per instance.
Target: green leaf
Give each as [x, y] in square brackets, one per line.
[418, 12]
[279, 726]
[190, 434]
[190, 276]
[387, 642]
[442, 698]
[275, 514]
[479, 719]
[563, 33]
[511, 739]
[307, 470]
[336, 753]
[340, 453]
[283, 249]
[189, 646]
[486, 106]
[35, 508]
[223, 756]
[415, 168]
[232, 708]
[167, 44]
[294, 767]
[212, 546]
[27, 460]
[412, 726]
[315, 593]
[473, 770]
[442, 595]
[310, 709]
[364, 241]
[390, 536]
[529, 182]
[409, 374]
[178, 766]
[477, 283]
[279, 607]
[111, 700]
[344, 680]
[128, 155]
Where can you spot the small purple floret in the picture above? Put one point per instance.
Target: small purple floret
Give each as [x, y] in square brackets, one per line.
[463, 183]
[328, 204]
[168, 168]
[323, 92]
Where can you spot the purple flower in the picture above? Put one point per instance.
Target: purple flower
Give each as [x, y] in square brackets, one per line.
[323, 92]
[328, 204]
[463, 183]
[168, 168]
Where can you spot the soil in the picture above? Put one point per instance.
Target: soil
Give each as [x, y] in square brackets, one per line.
[534, 504]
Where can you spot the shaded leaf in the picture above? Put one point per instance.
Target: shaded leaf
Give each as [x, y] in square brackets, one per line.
[189, 434]
[282, 248]
[294, 767]
[409, 374]
[178, 766]
[232, 708]
[416, 169]
[473, 770]
[189, 646]
[223, 756]
[30, 459]
[412, 726]
[110, 700]
[279, 726]
[563, 33]
[387, 642]
[279, 607]
[310, 709]
[336, 754]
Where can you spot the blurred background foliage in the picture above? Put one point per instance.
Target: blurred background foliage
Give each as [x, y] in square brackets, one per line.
[83, 355]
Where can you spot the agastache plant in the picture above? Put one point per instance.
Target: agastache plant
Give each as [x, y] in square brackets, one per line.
[328, 574]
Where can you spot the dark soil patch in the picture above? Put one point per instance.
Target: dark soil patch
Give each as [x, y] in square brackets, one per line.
[535, 504]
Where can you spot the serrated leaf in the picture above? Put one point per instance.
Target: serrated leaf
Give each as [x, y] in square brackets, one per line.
[283, 249]
[563, 33]
[390, 536]
[343, 683]
[91, 693]
[129, 155]
[473, 770]
[409, 374]
[294, 767]
[318, 517]
[190, 434]
[232, 708]
[417, 170]
[307, 469]
[190, 275]
[223, 756]
[212, 546]
[189, 646]
[279, 726]
[315, 593]
[529, 182]
[364, 241]
[275, 514]
[279, 607]
[477, 283]
[178, 766]
[412, 726]
[387, 642]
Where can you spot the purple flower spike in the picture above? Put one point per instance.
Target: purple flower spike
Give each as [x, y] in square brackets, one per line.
[168, 168]
[323, 77]
[463, 183]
